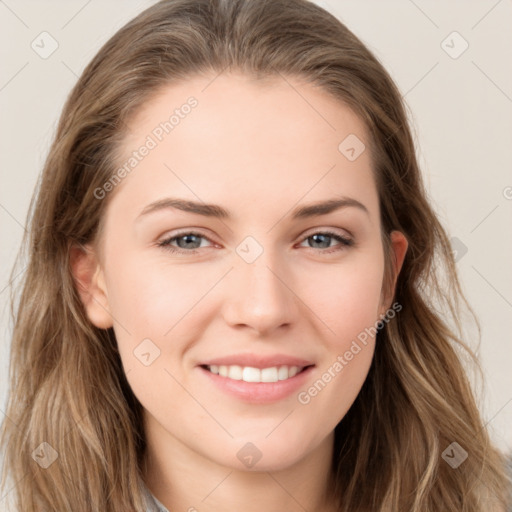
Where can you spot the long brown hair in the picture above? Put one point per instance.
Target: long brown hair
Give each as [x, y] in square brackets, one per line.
[67, 386]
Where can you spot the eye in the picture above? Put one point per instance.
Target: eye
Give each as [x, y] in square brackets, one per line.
[190, 241]
[325, 237]
[187, 242]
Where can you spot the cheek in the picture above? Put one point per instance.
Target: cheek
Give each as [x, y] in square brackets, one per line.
[150, 297]
[346, 298]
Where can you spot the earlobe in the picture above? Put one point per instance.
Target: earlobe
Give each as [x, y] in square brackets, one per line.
[90, 283]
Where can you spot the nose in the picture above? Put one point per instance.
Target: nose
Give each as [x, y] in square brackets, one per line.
[260, 296]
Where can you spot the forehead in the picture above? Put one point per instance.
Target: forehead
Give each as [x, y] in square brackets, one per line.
[245, 143]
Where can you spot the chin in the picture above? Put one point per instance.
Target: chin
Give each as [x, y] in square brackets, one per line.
[265, 454]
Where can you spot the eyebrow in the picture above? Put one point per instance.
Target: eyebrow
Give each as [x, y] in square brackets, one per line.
[216, 211]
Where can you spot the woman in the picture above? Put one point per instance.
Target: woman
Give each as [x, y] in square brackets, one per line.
[256, 369]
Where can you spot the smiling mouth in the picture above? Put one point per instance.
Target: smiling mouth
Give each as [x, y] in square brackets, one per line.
[250, 374]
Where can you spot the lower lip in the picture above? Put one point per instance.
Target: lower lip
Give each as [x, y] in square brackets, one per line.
[259, 392]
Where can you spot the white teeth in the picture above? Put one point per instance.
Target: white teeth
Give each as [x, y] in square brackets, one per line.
[269, 375]
[282, 373]
[235, 372]
[249, 374]
[293, 371]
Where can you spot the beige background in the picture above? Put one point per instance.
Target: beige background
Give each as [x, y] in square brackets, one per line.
[461, 114]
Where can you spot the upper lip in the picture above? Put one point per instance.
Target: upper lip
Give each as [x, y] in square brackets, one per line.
[257, 361]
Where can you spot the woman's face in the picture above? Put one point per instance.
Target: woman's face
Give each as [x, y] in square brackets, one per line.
[253, 286]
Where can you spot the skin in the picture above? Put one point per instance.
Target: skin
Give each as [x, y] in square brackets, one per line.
[259, 150]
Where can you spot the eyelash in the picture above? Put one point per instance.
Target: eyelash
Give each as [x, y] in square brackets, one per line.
[344, 242]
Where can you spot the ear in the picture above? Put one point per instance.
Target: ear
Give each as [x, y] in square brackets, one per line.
[89, 280]
[399, 246]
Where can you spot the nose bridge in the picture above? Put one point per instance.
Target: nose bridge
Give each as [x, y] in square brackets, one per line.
[260, 296]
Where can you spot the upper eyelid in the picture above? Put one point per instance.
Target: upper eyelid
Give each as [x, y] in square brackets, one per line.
[337, 231]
